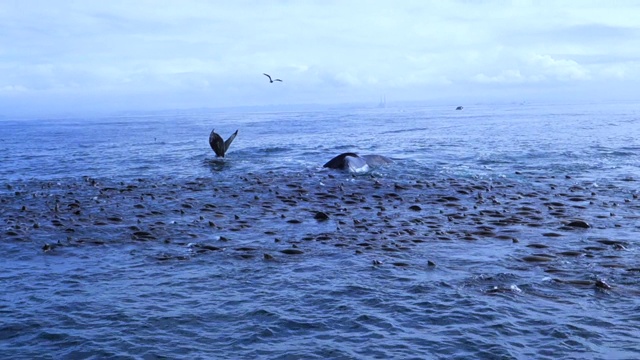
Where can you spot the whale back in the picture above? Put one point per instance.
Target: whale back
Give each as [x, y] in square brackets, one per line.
[376, 160]
[339, 162]
[357, 163]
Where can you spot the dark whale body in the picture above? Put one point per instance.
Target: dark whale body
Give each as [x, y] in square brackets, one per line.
[357, 163]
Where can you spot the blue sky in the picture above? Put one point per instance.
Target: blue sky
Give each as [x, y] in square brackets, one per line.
[95, 56]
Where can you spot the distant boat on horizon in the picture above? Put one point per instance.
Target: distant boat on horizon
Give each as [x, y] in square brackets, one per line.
[383, 102]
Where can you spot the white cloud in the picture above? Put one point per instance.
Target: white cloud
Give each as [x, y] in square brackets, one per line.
[337, 51]
[559, 69]
[617, 72]
[506, 76]
[13, 89]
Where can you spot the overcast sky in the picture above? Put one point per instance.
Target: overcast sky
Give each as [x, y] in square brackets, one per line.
[65, 56]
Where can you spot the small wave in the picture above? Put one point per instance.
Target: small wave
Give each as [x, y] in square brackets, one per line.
[275, 149]
[405, 130]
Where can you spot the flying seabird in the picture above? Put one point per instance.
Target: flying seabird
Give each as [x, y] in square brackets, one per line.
[271, 81]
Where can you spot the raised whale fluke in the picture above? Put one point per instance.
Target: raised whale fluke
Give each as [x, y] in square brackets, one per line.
[219, 146]
[356, 163]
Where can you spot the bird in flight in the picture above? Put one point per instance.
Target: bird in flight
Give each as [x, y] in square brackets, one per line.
[271, 81]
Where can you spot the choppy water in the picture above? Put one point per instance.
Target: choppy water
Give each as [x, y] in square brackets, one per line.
[123, 237]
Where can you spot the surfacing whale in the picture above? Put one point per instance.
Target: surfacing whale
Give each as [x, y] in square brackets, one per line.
[219, 146]
[357, 163]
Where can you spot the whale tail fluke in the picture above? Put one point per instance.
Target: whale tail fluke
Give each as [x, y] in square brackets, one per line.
[229, 141]
[219, 146]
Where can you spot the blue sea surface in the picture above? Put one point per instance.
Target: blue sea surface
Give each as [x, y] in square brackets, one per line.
[498, 232]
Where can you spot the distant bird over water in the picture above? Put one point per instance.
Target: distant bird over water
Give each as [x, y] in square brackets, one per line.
[271, 81]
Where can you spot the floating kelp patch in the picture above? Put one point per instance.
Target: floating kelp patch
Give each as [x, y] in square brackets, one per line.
[263, 213]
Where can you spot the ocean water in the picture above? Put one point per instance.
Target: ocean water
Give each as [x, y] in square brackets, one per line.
[498, 232]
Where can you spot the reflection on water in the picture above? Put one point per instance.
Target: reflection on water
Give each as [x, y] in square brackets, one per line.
[216, 164]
